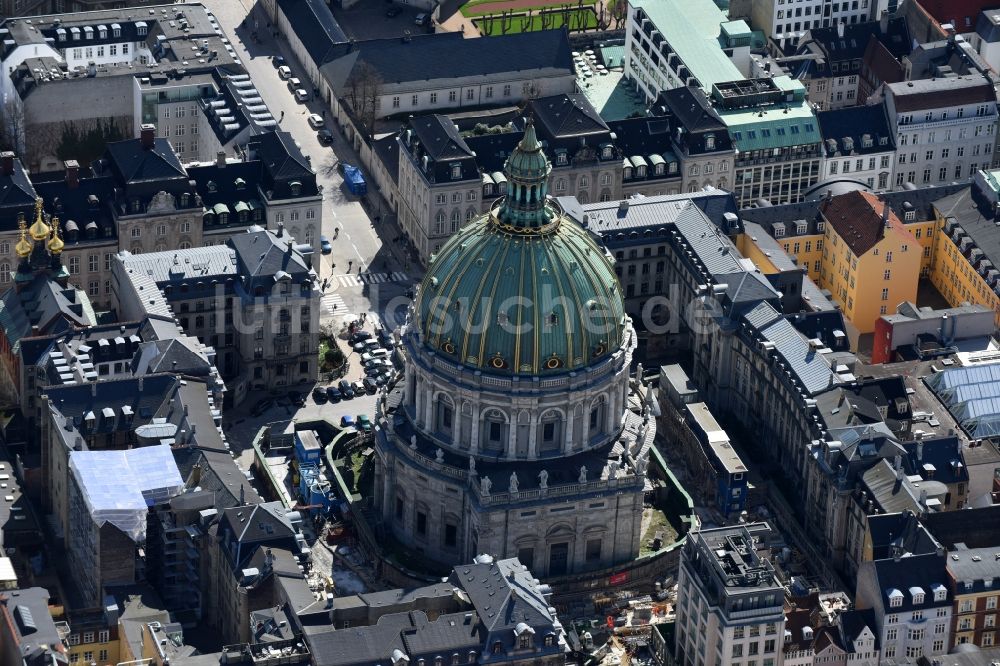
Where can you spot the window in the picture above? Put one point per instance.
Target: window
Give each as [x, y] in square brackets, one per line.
[887, 275]
[421, 523]
[470, 94]
[74, 269]
[593, 550]
[489, 92]
[102, 656]
[452, 95]
[434, 98]
[88, 656]
[506, 90]
[395, 102]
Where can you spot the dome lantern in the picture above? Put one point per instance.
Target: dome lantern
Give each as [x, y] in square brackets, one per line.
[56, 243]
[527, 171]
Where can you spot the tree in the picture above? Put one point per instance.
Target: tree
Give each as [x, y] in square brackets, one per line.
[619, 12]
[363, 92]
[12, 126]
[603, 20]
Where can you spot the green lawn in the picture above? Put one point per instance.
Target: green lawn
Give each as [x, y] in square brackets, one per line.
[480, 7]
[584, 19]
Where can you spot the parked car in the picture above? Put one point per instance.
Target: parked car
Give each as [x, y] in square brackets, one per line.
[262, 406]
[315, 120]
[364, 424]
[377, 351]
[423, 19]
[346, 421]
[385, 338]
[293, 84]
[359, 388]
[301, 96]
[284, 72]
[370, 385]
[374, 371]
[373, 346]
[366, 358]
[345, 389]
[319, 395]
[296, 398]
[324, 245]
[393, 11]
[277, 61]
[325, 136]
[332, 394]
[358, 336]
[381, 379]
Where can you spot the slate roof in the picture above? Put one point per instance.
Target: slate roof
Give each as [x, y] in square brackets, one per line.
[440, 138]
[261, 256]
[857, 218]
[916, 570]
[492, 150]
[692, 108]
[90, 202]
[855, 622]
[133, 164]
[314, 25]
[448, 55]
[16, 190]
[902, 528]
[30, 624]
[284, 163]
[804, 362]
[856, 122]
[891, 494]
[855, 40]
[746, 289]
[941, 92]
[504, 593]
[988, 25]
[44, 305]
[265, 523]
[567, 116]
[172, 355]
[978, 566]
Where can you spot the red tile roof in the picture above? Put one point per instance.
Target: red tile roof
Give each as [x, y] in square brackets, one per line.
[858, 218]
[961, 13]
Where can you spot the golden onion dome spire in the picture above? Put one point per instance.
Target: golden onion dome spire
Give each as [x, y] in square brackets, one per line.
[56, 244]
[39, 230]
[23, 246]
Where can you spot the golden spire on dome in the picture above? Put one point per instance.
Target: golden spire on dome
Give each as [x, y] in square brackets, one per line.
[39, 230]
[56, 244]
[23, 246]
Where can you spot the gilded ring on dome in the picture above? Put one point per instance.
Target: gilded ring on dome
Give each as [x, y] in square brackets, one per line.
[498, 362]
[448, 347]
[553, 363]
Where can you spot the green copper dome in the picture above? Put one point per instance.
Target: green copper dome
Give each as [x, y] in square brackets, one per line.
[523, 289]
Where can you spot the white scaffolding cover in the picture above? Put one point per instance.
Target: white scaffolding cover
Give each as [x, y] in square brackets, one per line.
[119, 486]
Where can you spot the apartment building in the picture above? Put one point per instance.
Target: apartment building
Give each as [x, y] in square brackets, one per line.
[673, 44]
[966, 250]
[858, 145]
[909, 594]
[127, 66]
[730, 603]
[786, 23]
[700, 139]
[866, 246]
[973, 578]
[945, 128]
[776, 136]
[255, 300]
[839, 53]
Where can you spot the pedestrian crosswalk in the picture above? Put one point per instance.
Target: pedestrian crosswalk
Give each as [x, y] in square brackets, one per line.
[354, 280]
[334, 304]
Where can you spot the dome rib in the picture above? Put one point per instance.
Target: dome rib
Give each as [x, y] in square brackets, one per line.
[481, 358]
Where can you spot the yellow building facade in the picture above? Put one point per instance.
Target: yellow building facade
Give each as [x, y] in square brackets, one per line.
[871, 261]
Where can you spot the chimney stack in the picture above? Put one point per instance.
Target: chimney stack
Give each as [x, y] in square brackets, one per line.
[147, 136]
[883, 21]
[840, 29]
[7, 162]
[72, 173]
[220, 158]
[885, 214]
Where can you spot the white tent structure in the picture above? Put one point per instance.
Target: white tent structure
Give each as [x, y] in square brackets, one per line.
[119, 486]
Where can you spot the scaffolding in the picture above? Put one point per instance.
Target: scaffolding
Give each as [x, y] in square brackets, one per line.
[119, 486]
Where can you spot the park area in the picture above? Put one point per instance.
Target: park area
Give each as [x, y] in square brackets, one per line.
[501, 17]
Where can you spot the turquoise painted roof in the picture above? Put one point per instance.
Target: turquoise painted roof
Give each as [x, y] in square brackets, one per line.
[692, 28]
[559, 286]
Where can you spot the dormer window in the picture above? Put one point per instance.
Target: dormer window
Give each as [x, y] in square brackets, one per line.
[223, 218]
[140, 28]
[940, 592]
[606, 153]
[659, 169]
[673, 167]
[627, 173]
[102, 31]
[561, 158]
[487, 189]
[212, 187]
[296, 188]
[910, 215]
[185, 199]
[116, 30]
[801, 228]
[456, 171]
[549, 640]
[640, 171]
[61, 34]
[497, 647]
[709, 142]
[895, 598]
[524, 641]
[240, 184]
[75, 32]
[88, 32]
[136, 206]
